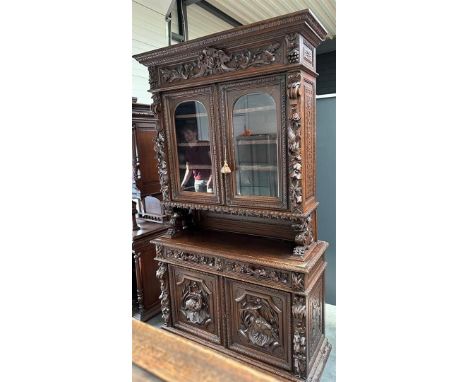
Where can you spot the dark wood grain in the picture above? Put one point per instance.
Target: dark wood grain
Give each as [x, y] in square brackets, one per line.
[243, 272]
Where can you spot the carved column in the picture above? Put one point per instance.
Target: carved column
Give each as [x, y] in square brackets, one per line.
[299, 337]
[141, 306]
[162, 275]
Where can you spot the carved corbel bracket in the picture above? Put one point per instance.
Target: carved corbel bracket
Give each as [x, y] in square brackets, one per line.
[180, 219]
[304, 237]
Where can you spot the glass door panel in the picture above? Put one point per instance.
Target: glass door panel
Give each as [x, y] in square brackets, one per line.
[254, 137]
[192, 146]
[256, 145]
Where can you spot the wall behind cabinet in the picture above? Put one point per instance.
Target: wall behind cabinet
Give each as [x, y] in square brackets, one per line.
[326, 188]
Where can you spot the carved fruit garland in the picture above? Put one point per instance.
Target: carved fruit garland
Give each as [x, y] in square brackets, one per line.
[294, 143]
[299, 337]
[161, 274]
[160, 147]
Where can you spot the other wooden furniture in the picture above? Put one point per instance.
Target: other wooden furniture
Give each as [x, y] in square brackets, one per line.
[241, 268]
[145, 166]
[145, 286]
[158, 355]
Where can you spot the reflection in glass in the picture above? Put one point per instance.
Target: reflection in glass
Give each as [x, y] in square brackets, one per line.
[193, 147]
[256, 145]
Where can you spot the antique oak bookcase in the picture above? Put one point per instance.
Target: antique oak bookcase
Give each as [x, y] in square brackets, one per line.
[241, 268]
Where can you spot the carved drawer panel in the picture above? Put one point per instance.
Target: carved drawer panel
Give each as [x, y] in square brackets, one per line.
[195, 303]
[258, 322]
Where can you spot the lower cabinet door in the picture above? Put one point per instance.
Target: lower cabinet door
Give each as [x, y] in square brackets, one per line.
[258, 322]
[195, 303]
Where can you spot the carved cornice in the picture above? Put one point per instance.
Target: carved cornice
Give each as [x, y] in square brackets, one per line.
[299, 337]
[303, 20]
[213, 61]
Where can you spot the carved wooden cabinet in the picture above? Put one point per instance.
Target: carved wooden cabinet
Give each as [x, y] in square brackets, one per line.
[145, 166]
[241, 267]
[145, 287]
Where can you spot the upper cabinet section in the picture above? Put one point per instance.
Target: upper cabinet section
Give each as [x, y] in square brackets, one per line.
[259, 48]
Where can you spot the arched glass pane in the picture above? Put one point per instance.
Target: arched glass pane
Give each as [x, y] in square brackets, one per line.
[193, 147]
[256, 145]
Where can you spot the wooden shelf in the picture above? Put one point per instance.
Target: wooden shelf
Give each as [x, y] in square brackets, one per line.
[254, 109]
[188, 116]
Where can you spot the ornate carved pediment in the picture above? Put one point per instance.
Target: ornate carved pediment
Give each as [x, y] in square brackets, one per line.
[213, 61]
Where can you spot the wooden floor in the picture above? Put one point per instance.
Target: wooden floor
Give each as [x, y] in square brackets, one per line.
[159, 355]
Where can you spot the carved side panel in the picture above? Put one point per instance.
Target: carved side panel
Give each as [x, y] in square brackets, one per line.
[299, 337]
[315, 313]
[258, 323]
[309, 141]
[195, 304]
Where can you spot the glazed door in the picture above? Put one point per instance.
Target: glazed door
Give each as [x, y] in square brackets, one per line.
[254, 142]
[192, 145]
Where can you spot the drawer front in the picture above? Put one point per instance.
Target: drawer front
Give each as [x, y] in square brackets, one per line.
[258, 322]
[195, 303]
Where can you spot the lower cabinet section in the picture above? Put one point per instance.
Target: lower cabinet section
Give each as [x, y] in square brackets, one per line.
[258, 322]
[254, 316]
[195, 303]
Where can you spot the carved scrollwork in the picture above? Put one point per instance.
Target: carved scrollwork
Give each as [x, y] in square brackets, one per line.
[292, 48]
[259, 322]
[195, 304]
[257, 272]
[161, 274]
[215, 61]
[299, 337]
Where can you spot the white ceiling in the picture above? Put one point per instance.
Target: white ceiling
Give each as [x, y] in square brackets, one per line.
[250, 11]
